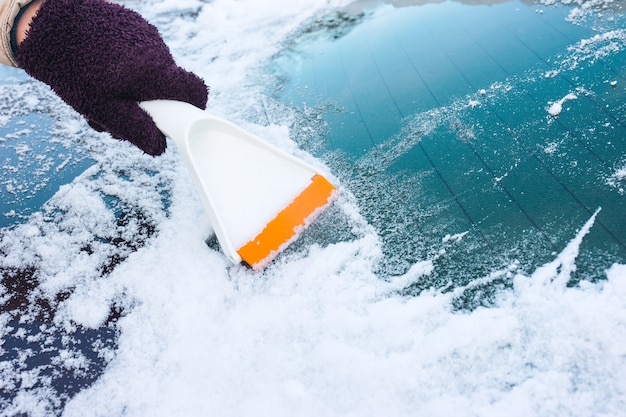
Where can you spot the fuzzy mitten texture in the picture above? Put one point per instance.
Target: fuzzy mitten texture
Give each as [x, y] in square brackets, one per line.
[102, 59]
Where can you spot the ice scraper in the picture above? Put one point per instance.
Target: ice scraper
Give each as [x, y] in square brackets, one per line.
[257, 196]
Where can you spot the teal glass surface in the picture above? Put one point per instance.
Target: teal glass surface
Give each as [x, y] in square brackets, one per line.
[438, 118]
[35, 161]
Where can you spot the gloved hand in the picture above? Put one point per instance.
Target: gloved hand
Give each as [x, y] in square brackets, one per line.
[102, 59]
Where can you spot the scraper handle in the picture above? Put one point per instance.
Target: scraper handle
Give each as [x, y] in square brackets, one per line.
[173, 118]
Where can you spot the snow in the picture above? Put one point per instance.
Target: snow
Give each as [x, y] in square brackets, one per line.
[330, 339]
[555, 108]
[596, 48]
[617, 179]
[454, 238]
[316, 334]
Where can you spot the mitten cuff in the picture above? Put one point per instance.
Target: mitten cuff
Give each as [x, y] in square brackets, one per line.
[9, 10]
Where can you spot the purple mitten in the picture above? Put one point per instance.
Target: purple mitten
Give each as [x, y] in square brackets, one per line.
[102, 59]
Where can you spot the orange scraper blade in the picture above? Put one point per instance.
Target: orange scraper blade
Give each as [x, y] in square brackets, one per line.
[279, 231]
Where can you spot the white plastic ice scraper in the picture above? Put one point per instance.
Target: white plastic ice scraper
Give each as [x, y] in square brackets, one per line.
[257, 196]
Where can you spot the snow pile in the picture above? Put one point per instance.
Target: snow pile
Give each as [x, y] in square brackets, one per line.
[556, 107]
[317, 338]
